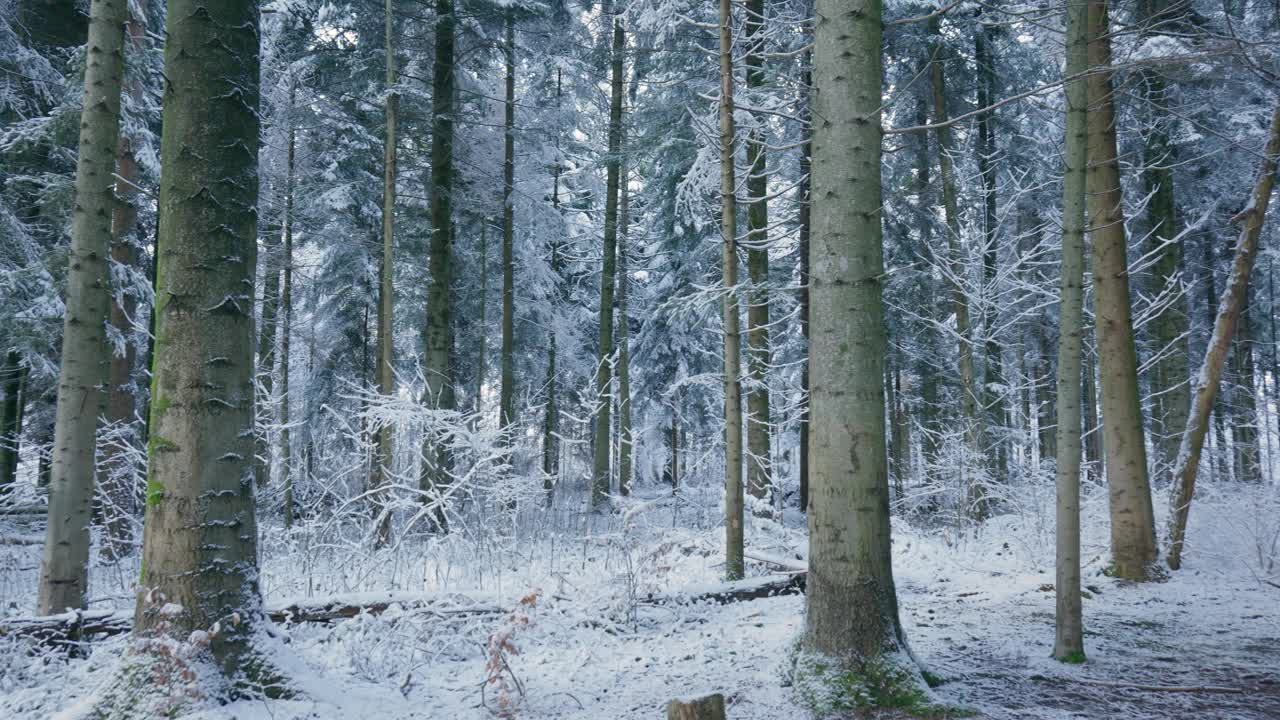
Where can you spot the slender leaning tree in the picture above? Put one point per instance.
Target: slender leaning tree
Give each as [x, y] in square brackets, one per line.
[64, 573]
[200, 544]
[852, 604]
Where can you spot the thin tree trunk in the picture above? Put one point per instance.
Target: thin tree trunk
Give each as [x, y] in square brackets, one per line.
[600, 479]
[1092, 430]
[1068, 645]
[11, 381]
[972, 420]
[1170, 391]
[481, 361]
[286, 329]
[439, 330]
[1133, 536]
[732, 341]
[1245, 423]
[1224, 327]
[759, 460]
[852, 606]
[625, 439]
[550, 443]
[386, 293]
[116, 492]
[507, 396]
[200, 546]
[994, 399]
[805, 219]
[64, 562]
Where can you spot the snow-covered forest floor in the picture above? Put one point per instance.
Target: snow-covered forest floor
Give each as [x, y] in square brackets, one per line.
[603, 638]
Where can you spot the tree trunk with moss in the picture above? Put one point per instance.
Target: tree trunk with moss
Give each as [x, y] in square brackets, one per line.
[852, 606]
[1133, 536]
[600, 470]
[1068, 644]
[1224, 328]
[439, 330]
[200, 546]
[733, 520]
[759, 460]
[65, 560]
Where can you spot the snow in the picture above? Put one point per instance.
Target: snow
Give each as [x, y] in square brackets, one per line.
[977, 610]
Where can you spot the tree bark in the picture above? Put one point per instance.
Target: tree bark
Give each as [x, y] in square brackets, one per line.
[64, 562]
[439, 330]
[506, 414]
[733, 519]
[1068, 642]
[1133, 537]
[852, 608]
[385, 370]
[200, 545]
[759, 460]
[600, 470]
[1233, 300]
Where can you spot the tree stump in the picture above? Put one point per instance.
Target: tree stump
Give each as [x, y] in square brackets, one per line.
[710, 707]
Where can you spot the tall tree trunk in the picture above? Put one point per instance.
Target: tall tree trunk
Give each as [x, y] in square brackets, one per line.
[439, 330]
[481, 360]
[626, 447]
[11, 377]
[266, 356]
[928, 331]
[386, 293]
[1224, 328]
[507, 397]
[550, 443]
[1068, 644]
[759, 462]
[1245, 423]
[805, 212]
[1170, 390]
[994, 399]
[600, 479]
[972, 420]
[64, 563]
[286, 329]
[852, 605]
[733, 519]
[1133, 535]
[114, 480]
[200, 545]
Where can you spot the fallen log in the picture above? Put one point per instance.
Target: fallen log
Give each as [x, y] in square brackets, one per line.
[735, 591]
[85, 625]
